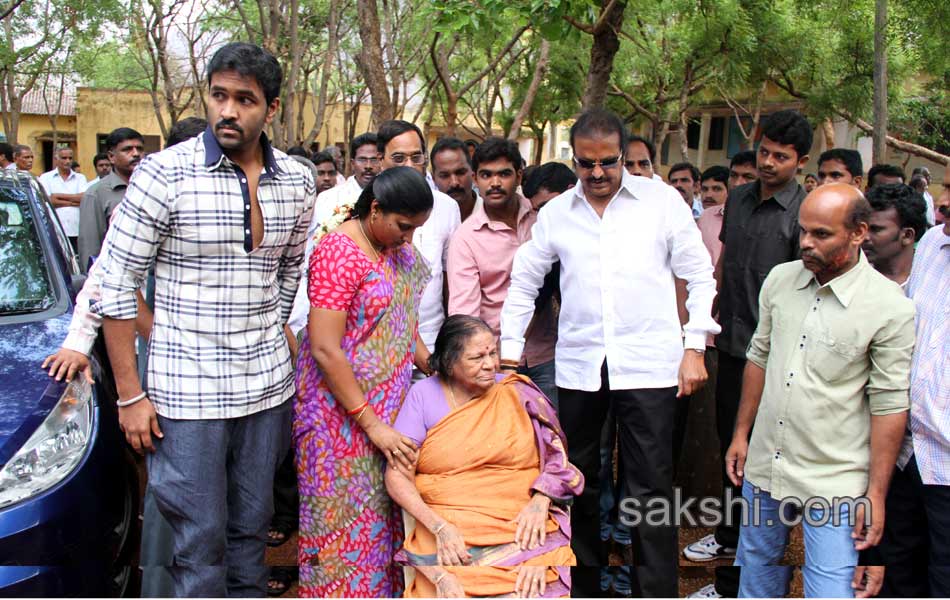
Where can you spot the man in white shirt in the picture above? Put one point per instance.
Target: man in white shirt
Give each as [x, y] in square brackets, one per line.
[65, 188]
[401, 144]
[620, 239]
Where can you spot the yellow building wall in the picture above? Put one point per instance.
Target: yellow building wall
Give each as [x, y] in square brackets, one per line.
[99, 111]
[32, 127]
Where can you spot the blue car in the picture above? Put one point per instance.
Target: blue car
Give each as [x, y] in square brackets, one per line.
[69, 484]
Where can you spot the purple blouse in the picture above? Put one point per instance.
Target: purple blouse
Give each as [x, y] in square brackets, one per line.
[424, 406]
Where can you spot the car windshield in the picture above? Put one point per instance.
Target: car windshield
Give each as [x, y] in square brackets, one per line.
[24, 279]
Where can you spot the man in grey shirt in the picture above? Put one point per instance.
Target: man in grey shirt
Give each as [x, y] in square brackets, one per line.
[126, 148]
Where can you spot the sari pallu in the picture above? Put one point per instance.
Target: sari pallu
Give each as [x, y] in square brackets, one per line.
[349, 528]
[477, 469]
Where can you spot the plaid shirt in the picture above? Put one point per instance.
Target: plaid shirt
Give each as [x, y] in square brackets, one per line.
[217, 348]
[929, 286]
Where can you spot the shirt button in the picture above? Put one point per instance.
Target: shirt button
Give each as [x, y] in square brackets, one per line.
[801, 345]
[243, 180]
[247, 207]
[781, 422]
[247, 232]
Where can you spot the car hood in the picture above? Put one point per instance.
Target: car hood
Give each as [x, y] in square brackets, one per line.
[25, 388]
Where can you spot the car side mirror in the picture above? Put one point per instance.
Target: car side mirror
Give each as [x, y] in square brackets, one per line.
[77, 282]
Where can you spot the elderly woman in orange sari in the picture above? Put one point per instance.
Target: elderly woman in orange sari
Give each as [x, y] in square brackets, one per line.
[490, 489]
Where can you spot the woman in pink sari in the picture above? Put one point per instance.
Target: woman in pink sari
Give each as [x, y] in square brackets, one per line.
[353, 370]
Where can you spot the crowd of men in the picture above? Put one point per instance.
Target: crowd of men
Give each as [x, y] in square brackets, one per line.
[622, 295]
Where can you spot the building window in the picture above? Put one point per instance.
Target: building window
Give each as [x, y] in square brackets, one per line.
[717, 131]
[692, 134]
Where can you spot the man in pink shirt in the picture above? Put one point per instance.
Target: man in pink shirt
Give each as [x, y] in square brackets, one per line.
[483, 249]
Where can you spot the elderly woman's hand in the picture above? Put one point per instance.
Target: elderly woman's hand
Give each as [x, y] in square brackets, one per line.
[531, 582]
[449, 587]
[396, 447]
[532, 521]
[451, 547]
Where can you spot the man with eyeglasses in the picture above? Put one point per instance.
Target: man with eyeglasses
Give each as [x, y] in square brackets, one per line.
[401, 144]
[621, 240]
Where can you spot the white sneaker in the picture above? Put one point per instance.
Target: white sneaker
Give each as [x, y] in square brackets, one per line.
[707, 549]
[707, 591]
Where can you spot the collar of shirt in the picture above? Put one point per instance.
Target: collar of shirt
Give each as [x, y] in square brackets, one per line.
[113, 181]
[844, 286]
[55, 173]
[480, 218]
[784, 197]
[215, 157]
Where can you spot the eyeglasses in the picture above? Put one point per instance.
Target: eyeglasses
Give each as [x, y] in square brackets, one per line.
[400, 159]
[366, 160]
[604, 163]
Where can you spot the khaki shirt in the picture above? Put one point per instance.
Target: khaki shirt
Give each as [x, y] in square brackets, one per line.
[833, 355]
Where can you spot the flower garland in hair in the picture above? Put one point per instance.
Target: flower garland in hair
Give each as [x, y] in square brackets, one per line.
[341, 212]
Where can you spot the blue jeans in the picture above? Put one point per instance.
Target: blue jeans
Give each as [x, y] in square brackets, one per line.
[830, 556]
[213, 481]
[543, 376]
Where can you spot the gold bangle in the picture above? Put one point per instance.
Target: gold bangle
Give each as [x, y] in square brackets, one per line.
[357, 419]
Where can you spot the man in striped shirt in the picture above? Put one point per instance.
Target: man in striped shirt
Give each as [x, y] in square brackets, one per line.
[223, 217]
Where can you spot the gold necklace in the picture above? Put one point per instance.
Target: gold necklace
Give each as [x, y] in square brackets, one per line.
[366, 237]
[455, 403]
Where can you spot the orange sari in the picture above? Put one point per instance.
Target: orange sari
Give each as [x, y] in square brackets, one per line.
[477, 469]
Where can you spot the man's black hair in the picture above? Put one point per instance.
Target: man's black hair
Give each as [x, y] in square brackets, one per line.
[470, 143]
[122, 134]
[600, 122]
[323, 157]
[394, 128]
[494, 148]
[910, 206]
[298, 151]
[99, 156]
[790, 128]
[7, 151]
[185, 129]
[851, 159]
[363, 139]
[685, 166]
[887, 171]
[450, 143]
[746, 157]
[717, 173]
[552, 176]
[651, 149]
[249, 60]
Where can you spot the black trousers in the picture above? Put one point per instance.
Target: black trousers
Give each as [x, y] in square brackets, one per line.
[915, 547]
[286, 498]
[645, 425]
[728, 393]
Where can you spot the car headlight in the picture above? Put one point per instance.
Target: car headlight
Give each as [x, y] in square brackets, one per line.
[54, 449]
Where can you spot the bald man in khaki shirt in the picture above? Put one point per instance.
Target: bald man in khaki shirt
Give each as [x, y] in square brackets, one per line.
[826, 386]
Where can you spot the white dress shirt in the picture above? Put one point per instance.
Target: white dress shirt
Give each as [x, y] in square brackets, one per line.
[432, 240]
[76, 183]
[618, 300]
[931, 213]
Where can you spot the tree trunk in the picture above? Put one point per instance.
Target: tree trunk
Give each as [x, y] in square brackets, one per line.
[371, 62]
[538, 146]
[901, 145]
[879, 134]
[602, 52]
[539, 71]
[828, 128]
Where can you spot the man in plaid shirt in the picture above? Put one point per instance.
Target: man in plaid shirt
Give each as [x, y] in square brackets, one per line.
[223, 217]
